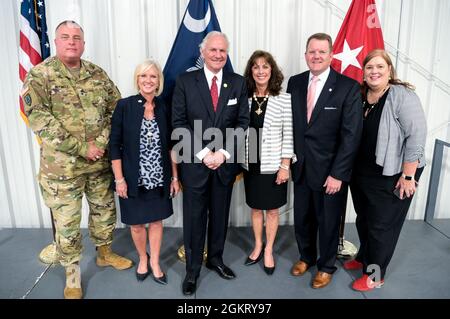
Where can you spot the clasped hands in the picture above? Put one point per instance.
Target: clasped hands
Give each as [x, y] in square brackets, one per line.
[213, 160]
[94, 153]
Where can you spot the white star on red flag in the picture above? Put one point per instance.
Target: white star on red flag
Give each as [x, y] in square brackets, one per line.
[360, 33]
[348, 57]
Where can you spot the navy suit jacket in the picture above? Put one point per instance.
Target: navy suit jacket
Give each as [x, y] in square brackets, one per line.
[124, 142]
[192, 102]
[327, 145]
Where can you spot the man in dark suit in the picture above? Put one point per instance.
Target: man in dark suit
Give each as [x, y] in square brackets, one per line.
[211, 100]
[327, 119]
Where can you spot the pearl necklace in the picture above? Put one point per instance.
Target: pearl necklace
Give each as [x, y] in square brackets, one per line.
[259, 111]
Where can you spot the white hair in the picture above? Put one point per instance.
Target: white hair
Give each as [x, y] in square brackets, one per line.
[212, 34]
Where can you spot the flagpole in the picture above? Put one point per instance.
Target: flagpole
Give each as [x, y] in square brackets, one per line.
[346, 249]
[360, 21]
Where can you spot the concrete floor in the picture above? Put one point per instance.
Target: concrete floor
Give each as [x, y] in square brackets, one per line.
[419, 269]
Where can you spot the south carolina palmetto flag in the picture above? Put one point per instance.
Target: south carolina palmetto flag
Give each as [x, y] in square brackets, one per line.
[199, 19]
[360, 33]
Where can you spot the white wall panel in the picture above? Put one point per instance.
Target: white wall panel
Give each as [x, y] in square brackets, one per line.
[120, 34]
[442, 61]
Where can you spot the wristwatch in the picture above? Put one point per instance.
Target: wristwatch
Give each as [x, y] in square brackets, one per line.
[408, 177]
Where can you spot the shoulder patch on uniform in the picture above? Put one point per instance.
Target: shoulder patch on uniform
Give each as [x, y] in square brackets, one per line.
[27, 99]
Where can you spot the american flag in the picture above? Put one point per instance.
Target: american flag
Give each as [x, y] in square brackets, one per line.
[34, 45]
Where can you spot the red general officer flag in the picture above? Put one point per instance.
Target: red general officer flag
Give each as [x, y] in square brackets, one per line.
[360, 33]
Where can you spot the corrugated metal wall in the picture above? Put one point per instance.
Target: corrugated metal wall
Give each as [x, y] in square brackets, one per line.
[119, 34]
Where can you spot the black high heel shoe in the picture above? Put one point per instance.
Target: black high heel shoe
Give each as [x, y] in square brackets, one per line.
[141, 277]
[249, 261]
[160, 280]
[269, 270]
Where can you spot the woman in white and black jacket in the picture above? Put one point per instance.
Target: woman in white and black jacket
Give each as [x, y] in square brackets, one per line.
[268, 153]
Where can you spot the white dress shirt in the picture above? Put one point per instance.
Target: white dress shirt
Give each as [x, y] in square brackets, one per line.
[209, 76]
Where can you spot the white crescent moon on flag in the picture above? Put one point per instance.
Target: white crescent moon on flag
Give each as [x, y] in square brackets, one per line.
[195, 25]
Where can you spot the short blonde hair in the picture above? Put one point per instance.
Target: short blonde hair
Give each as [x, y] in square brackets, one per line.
[142, 68]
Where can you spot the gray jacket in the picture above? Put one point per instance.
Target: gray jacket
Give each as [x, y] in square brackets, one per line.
[402, 132]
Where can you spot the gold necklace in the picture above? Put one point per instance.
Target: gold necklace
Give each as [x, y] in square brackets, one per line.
[259, 111]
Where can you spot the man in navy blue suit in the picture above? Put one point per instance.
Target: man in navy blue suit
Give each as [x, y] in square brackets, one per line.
[211, 100]
[327, 118]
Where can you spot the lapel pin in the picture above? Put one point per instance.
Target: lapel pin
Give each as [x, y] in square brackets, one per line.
[330, 89]
[225, 85]
[140, 101]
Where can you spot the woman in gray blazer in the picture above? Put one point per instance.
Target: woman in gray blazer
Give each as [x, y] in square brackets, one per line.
[269, 149]
[389, 163]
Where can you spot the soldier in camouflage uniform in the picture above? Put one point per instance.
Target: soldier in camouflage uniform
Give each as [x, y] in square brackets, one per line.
[69, 103]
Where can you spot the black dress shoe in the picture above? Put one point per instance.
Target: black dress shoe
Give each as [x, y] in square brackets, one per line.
[269, 270]
[141, 277]
[249, 261]
[160, 280]
[222, 270]
[189, 285]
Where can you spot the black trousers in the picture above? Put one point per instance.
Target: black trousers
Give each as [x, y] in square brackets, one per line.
[205, 207]
[316, 212]
[379, 219]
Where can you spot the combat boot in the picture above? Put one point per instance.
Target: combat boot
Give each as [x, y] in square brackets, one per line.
[106, 257]
[73, 282]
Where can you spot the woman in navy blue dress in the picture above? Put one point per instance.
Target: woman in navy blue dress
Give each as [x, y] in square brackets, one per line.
[146, 178]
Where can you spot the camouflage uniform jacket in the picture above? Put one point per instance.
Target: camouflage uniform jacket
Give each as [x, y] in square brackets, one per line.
[67, 112]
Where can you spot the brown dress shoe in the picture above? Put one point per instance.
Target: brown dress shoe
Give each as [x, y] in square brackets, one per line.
[299, 268]
[321, 279]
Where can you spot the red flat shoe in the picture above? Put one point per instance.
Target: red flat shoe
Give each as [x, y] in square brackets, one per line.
[353, 265]
[366, 284]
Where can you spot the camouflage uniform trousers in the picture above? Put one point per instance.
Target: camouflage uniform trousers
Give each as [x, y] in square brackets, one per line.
[64, 198]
